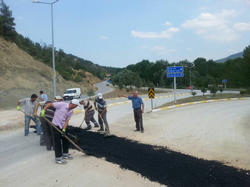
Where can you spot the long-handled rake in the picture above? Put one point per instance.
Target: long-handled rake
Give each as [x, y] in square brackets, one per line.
[86, 152]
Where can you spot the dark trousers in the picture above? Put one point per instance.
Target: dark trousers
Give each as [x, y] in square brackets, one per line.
[61, 144]
[138, 119]
[90, 117]
[48, 133]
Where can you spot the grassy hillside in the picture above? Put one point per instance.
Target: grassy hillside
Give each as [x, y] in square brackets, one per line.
[21, 75]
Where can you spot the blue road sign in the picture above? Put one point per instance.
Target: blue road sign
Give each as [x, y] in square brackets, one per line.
[178, 69]
[224, 81]
[175, 75]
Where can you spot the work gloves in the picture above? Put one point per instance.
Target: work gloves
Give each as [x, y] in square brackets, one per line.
[18, 108]
[42, 113]
[63, 133]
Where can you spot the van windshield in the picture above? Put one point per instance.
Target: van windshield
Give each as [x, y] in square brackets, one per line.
[70, 91]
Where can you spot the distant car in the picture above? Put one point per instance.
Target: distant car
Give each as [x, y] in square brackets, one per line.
[72, 93]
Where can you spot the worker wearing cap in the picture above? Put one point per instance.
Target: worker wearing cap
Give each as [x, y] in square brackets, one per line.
[138, 107]
[101, 107]
[47, 134]
[89, 114]
[61, 118]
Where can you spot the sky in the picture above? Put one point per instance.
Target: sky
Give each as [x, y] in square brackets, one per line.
[118, 33]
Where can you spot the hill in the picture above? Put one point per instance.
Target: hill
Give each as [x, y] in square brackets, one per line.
[237, 55]
[22, 75]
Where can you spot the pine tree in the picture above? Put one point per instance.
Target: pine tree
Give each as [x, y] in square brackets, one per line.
[7, 22]
[1, 26]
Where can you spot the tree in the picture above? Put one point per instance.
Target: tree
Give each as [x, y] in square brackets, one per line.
[120, 84]
[7, 20]
[201, 66]
[193, 93]
[90, 92]
[203, 90]
[221, 90]
[246, 53]
[138, 82]
[1, 25]
[214, 90]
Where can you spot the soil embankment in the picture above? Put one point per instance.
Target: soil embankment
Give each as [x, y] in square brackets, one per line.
[21, 75]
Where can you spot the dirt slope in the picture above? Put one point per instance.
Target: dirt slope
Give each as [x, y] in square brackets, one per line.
[21, 75]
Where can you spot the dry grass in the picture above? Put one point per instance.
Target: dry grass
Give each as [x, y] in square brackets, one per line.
[202, 98]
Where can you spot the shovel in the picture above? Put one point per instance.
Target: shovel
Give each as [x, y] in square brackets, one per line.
[107, 135]
[76, 138]
[86, 152]
[30, 115]
[81, 123]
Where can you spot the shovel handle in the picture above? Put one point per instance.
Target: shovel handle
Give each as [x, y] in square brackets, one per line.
[82, 123]
[62, 133]
[29, 115]
[104, 123]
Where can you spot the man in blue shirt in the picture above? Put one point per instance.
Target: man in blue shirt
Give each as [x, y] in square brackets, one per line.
[138, 107]
[43, 96]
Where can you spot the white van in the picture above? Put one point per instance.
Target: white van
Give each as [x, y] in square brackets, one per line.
[72, 93]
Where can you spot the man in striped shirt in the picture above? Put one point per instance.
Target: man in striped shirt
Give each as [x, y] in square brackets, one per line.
[89, 114]
[47, 135]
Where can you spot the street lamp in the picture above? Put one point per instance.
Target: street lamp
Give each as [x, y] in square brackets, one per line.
[53, 51]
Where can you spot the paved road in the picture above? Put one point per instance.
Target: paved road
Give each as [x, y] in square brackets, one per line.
[218, 131]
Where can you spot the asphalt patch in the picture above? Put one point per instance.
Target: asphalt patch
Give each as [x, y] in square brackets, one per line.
[161, 164]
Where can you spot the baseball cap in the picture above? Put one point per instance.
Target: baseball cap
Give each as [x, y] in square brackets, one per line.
[99, 96]
[58, 97]
[75, 102]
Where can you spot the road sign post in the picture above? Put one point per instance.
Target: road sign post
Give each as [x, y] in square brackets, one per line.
[151, 95]
[225, 83]
[173, 72]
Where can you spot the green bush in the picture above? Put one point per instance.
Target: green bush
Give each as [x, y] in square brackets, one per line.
[221, 90]
[78, 78]
[127, 89]
[82, 74]
[248, 90]
[90, 92]
[203, 90]
[66, 75]
[213, 90]
[242, 92]
[193, 93]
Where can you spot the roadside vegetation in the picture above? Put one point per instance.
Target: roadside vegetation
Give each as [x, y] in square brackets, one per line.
[71, 67]
[205, 97]
[200, 73]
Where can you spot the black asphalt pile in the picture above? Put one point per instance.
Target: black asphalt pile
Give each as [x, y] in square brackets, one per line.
[160, 164]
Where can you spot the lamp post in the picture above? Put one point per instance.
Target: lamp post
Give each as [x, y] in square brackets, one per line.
[53, 51]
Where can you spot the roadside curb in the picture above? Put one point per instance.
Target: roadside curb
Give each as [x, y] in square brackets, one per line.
[125, 102]
[199, 102]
